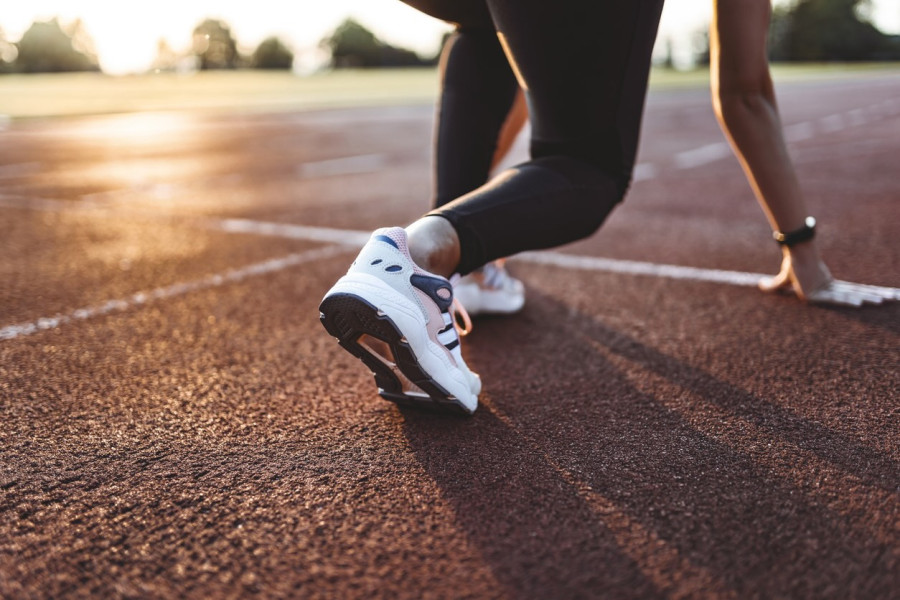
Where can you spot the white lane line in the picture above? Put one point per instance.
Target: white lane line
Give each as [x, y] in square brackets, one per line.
[347, 165]
[798, 132]
[345, 240]
[856, 117]
[832, 123]
[356, 238]
[294, 232]
[19, 169]
[49, 204]
[644, 172]
[350, 238]
[631, 267]
[140, 298]
[702, 155]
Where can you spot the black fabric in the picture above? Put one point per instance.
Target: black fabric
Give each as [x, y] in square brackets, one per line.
[478, 88]
[792, 238]
[584, 67]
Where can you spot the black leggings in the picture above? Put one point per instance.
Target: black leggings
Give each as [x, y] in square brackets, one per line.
[583, 65]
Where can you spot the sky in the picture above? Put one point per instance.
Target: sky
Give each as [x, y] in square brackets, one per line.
[126, 34]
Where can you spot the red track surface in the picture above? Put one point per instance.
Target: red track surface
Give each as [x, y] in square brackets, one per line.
[638, 437]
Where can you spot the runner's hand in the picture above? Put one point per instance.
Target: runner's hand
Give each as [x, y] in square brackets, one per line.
[831, 292]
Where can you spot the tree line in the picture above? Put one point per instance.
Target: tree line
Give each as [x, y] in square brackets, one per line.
[803, 30]
[51, 47]
[829, 30]
[351, 45]
[817, 31]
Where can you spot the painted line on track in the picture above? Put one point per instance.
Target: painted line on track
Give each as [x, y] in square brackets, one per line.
[19, 169]
[295, 232]
[703, 155]
[346, 165]
[796, 132]
[342, 240]
[346, 240]
[179, 289]
[632, 267]
[357, 238]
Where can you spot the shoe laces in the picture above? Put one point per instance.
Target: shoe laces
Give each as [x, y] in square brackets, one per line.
[495, 275]
[462, 322]
[459, 313]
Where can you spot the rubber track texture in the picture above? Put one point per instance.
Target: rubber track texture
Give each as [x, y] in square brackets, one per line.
[348, 317]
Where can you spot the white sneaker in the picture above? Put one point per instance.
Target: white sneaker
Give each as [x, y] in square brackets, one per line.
[397, 319]
[490, 290]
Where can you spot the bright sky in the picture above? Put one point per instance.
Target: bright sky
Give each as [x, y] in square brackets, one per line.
[126, 33]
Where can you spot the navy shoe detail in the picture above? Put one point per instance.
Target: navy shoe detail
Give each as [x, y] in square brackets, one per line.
[438, 289]
[387, 240]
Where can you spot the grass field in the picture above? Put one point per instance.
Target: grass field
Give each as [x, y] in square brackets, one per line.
[50, 95]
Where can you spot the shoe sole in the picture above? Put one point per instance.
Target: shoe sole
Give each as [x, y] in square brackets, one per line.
[349, 318]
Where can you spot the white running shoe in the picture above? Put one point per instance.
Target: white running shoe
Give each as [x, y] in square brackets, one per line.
[397, 318]
[490, 290]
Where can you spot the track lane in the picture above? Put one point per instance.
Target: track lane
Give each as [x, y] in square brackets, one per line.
[638, 436]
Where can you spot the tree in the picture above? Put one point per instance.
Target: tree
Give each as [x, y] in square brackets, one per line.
[215, 46]
[47, 48]
[8, 54]
[668, 61]
[353, 46]
[828, 30]
[272, 53]
[700, 43]
[166, 58]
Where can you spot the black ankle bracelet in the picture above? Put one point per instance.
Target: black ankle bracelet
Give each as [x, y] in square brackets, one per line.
[804, 234]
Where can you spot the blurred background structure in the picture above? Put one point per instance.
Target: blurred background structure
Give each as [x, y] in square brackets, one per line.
[56, 36]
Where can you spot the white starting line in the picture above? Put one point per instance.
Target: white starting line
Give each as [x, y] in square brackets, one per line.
[179, 289]
[344, 240]
[356, 238]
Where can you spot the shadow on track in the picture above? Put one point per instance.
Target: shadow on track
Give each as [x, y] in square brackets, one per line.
[538, 536]
[562, 422]
[886, 317]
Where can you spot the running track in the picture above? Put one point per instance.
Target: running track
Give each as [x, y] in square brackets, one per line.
[175, 423]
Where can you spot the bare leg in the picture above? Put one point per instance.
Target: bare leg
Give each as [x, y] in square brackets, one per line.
[434, 245]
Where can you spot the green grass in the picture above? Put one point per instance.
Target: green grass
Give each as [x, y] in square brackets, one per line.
[28, 96]
[54, 95]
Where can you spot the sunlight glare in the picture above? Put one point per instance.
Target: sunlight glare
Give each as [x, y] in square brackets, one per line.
[137, 128]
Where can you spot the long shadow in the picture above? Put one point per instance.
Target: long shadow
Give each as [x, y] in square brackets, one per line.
[843, 451]
[538, 536]
[760, 533]
[886, 316]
